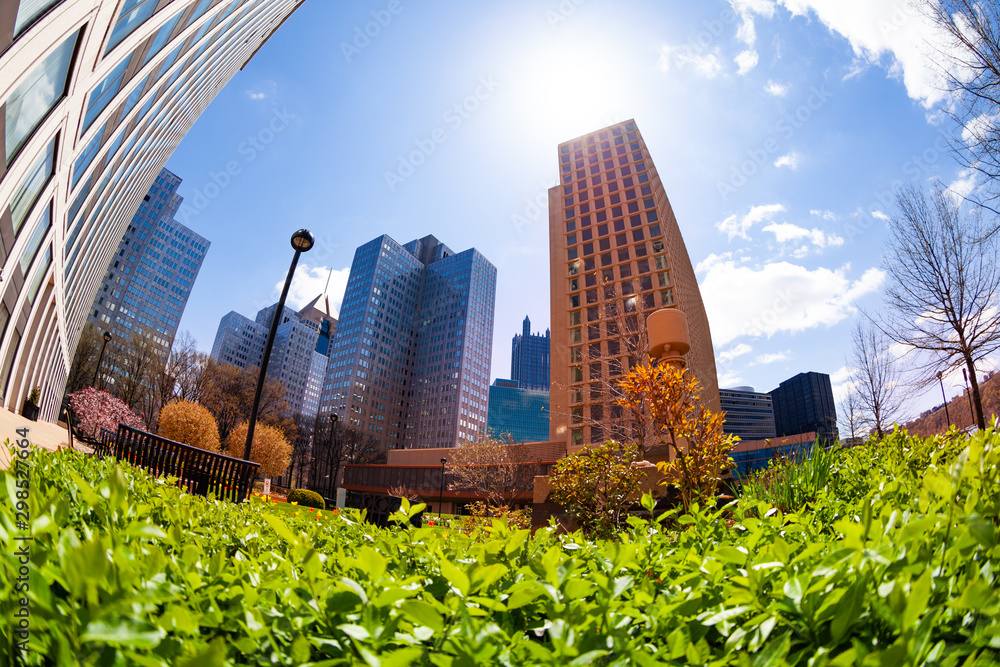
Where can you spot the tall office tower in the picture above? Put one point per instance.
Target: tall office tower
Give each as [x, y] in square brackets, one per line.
[411, 356]
[296, 359]
[749, 414]
[616, 254]
[529, 358]
[97, 94]
[804, 403]
[519, 414]
[149, 281]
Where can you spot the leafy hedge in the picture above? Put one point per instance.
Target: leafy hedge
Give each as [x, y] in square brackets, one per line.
[307, 498]
[886, 567]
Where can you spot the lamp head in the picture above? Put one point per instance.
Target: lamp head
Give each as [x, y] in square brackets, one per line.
[107, 336]
[443, 461]
[302, 240]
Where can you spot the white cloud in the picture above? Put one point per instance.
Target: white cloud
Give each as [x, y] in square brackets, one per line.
[311, 281]
[880, 215]
[770, 358]
[777, 297]
[707, 65]
[826, 215]
[888, 33]
[262, 90]
[727, 356]
[842, 374]
[776, 89]
[962, 187]
[857, 67]
[737, 225]
[746, 61]
[786, 231]
[730, 378]
[790, 160]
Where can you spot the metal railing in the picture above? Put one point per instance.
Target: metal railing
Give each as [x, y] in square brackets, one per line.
[198, 471]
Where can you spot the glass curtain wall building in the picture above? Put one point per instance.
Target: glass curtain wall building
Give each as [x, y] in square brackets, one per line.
[529, 358]
[96, 94]
[410, 365]
[149, 280]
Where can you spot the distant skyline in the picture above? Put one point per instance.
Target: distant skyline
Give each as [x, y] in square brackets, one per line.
[779, 130]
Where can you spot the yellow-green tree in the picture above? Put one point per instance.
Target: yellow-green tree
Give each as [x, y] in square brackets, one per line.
[270, 448]
[191, 424]
[596, 485]
[667, 401]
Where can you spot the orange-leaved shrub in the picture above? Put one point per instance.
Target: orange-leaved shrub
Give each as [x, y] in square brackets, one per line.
[270, 448]
[189, 423]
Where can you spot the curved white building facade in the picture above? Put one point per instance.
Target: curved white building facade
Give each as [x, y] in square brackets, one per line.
[96, 94]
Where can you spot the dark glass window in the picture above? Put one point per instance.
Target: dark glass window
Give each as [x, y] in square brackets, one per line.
[625, 270]
[623, 255]
[605, 243]
[621, 239]
[606, 259]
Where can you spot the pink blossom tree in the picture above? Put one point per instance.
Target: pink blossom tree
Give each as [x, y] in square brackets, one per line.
[96, 409]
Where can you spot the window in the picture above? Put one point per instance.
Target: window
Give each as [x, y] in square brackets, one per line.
[132, 15]
[31, 249]
[162, 36]
[27, 192]
[667, 297]
[133, 98]
[105, 91]
[31, 101]
[27, 12]
[201, 9]
[36, 282]
[87, 156]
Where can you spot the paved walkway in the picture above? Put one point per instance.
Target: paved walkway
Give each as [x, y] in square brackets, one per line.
[41, 434]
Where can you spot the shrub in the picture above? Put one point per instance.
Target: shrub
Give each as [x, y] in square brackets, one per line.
[306, 498]
[482, 514]
[96, 409]
[189, 423]
[595, 485]
[270, 448]
[791, 481]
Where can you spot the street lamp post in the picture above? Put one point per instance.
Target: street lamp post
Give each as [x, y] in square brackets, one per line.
[945, 399]
[441, 496]
[107, 337]
[302, 241]
[968, 393]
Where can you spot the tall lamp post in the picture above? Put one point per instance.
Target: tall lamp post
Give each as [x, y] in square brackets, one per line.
[945, 398]
[107, 337]
[302, 241]
[968, 393]
[441, 496]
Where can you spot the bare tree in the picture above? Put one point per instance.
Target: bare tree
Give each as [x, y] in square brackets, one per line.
[88, 351]
[876, 379]
[970, 63]
[494, 467]
[336, 445]
[943, 285]
[228, 394]
[849, 412]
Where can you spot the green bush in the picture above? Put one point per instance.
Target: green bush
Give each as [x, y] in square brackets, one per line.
[882, 568]
[307, 498]
[791, 481]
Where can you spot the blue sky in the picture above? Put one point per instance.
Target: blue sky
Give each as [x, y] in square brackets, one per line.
[778, 129]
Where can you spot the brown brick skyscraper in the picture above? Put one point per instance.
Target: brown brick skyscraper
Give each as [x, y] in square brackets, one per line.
[616, 255]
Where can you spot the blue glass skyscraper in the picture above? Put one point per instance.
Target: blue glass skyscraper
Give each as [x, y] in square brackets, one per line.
[410, 360]
[529, 358]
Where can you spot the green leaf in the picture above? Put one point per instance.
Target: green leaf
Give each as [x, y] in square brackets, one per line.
[281, 529]
[213, 655]
[420, 612]
[916, 603]
[124, 632]
[457, 578]
[724, 615]
[523, 596]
